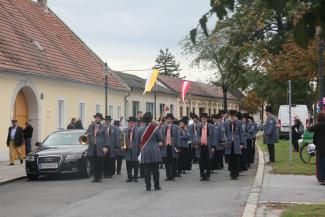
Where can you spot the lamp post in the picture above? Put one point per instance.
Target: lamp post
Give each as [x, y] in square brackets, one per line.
[106, 72]
[321, 75]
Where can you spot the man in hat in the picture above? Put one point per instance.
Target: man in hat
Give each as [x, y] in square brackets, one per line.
[218, 141]
[205, 149]
[149, 139]
[249, 134]
[195, 129]
[113, 141]
[119, 154]
[131, 149]
[235, 143]
[171, 146]
[184, 159]
[97, 141]
[15, 139]
[270, 133]
[244, 163]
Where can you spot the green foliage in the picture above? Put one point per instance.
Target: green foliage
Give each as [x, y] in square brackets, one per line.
[166, 63]
[302, 210]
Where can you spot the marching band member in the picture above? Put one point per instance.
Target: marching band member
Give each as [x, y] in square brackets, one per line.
[113, 140]
[249, 134]
[149, 139]
[235, 141]
[119, 154]
[219, 140]
[131, 149]
[97, 142]
[171, 145]
[195, 135]
[184, 158]
[252, 154]
[205, 148]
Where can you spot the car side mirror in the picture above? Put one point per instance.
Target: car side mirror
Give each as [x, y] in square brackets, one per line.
[38, 144]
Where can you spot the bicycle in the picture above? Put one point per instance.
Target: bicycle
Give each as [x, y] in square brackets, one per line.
[307, 148]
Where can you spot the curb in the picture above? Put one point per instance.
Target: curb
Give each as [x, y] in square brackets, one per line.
[7, 181]
[252, 201]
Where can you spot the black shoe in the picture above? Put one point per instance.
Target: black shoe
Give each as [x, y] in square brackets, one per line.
[167, 179]
[11, 164]
[110, 177]
[118, 173]
[95, 180]
[21, 161]
[106, 176]
[207, 179]
[129, 180]
[179, 175]
[135, 180]
[172, 179]
[99, 180]
[148, 189]
[157, 188]
[202, 179]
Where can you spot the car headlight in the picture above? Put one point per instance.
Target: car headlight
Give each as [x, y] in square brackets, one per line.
[30, 158]
[71, 157]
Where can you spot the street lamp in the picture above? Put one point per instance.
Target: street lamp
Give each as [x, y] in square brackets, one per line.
[106, 72]
[321, 75]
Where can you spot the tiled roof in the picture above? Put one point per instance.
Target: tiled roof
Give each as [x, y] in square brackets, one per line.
[136, 82]
[33, 41]
[196, 88]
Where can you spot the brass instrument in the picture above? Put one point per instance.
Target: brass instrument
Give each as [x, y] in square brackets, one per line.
[124, 145]
[83, 139]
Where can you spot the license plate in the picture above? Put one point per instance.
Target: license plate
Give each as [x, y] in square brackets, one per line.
[48, 165]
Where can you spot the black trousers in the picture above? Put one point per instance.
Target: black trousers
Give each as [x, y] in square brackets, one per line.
[182, 161]
[204, 162]
[219, 158]
[97, 166]
[109, 166]
[243, 160]
[132, 165]
[119, 159]
[249, 143]
[151, 168]
[271, 150]
[234, 165]
[252, 153]
[170, 166]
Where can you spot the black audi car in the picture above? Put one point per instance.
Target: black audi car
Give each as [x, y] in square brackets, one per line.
[60, 153]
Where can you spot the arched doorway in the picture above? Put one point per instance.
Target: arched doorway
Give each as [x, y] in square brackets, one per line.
[26, 107]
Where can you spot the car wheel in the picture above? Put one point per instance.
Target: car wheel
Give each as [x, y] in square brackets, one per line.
[32, 177]
[85, 169]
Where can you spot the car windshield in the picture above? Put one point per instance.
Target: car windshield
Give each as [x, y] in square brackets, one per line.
[63, 138]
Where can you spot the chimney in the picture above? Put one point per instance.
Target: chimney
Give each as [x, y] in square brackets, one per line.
[43, 4]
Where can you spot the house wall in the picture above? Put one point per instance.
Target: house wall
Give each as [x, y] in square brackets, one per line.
[42, 97]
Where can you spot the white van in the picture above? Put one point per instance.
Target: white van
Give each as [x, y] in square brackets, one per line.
[300, 111]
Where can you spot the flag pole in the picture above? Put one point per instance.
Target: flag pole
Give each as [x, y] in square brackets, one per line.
[155, 102]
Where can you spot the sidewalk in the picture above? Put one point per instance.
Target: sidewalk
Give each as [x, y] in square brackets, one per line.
[287, 189]
[11, 173]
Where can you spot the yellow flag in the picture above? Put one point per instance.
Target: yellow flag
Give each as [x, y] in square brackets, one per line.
[151, 80]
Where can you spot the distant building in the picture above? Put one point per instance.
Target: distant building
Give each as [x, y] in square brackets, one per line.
[200, 97]
[137, 101]
[47, 74]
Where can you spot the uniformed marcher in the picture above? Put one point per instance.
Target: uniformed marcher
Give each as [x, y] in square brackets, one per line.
[119, 154]
[194, 129]
[270, 133]
[205, 148]
[97, 145]
[249, 135]
[219, 140]
[235, 139]
[149, 139]
[131, 150]
[113, 140]
[171, 146]
[252, 154]
[184, 159]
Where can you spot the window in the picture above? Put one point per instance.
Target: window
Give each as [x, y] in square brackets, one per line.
[187, 111]
[135, 108]
[98, 108]
[119, 111]
[201, 110]
[209, 112]
[181, 111]
[194, 110]
[171, 109]
[61, 114]
[214, 111]
[161, 108]
[149, 107]
[82, 112]
[111, 110]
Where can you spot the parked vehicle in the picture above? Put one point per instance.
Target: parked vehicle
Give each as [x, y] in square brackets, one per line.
[60, 153]
[300, 111]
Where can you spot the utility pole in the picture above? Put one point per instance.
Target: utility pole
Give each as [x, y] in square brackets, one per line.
[290, 129]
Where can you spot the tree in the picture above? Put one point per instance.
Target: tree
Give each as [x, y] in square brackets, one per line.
[166, 64]
[251, 103]
[305, 20]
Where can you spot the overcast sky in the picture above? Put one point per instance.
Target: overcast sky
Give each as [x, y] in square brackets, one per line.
[129, 33]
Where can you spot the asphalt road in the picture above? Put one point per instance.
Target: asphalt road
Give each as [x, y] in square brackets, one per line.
[74, 197]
